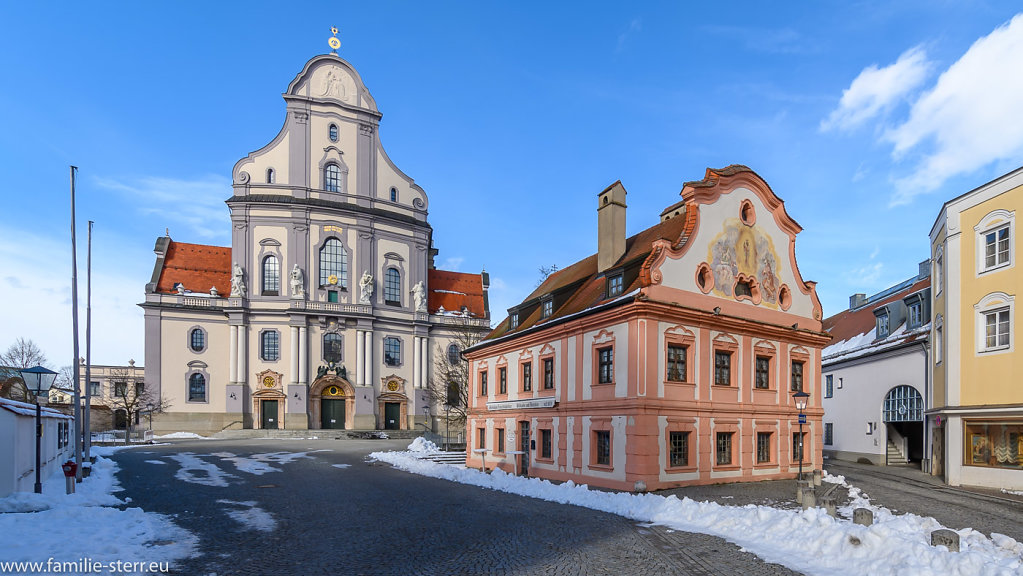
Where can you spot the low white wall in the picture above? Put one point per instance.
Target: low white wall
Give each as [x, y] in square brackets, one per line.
[18, 447]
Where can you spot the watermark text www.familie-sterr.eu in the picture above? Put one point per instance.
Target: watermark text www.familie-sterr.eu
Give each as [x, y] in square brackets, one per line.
[83, 566]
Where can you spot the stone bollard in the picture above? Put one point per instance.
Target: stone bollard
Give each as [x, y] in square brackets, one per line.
[863, 516]
[639, 487]
[809, 497]
[946, 538]
[816, 477]
[828, 502]
[801, 485]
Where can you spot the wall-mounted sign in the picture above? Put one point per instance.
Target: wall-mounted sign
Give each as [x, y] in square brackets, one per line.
[522, 404]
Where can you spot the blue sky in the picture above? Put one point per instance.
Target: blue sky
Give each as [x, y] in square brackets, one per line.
[864, 118]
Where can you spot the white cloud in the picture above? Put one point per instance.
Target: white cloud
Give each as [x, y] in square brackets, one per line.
[634, 27]
[197, 205]
[453, 264]
[969, 119]
[876, 90]
[865, 276]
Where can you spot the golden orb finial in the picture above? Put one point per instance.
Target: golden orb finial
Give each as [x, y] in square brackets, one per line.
[334, 42]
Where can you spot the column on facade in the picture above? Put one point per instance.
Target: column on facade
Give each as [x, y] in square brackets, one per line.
[368, 360]
[360, 358]
[233, 353]
[303, 355]
[424, 357]
[416, 361]
[293, 375]
[242, 350]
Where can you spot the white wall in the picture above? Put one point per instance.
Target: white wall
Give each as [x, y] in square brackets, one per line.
[18, 451]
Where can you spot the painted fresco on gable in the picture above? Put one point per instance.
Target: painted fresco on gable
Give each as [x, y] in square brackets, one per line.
[744, 250]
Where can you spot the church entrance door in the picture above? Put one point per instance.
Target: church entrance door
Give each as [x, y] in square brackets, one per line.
[392, 416]
[269, 413]
[332, 414]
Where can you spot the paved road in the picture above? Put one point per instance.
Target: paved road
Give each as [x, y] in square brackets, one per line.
[368, 518]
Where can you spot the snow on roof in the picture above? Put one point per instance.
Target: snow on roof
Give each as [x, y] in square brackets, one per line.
[865, 343]
[26, 409]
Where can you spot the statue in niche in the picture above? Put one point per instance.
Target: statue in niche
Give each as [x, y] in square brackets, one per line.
[333, 85]
[419, 296]
[366, 285]
[297, 282]
[238, 282]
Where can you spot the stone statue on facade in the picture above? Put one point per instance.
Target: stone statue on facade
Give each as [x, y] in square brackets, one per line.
[419, 296]
[238, 282]
[366, 285]
[297, 281]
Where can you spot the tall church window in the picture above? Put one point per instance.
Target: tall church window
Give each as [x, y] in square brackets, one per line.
[394, 194]
[392, 351]
[333, 263]
[392, 286]
[332, 347]
[270, 177]
[270, 346]
[196, 388]
[332, 178]
[271, 276]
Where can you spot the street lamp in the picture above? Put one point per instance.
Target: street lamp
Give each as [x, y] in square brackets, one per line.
[38, 381]
[800, 398]
[426, 414]
[150, 406]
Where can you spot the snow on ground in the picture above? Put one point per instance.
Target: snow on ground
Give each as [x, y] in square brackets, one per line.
[68, 528]
[807, 541]
[249, 515]
[342, 465]
[260, 464]
[180, 436]
[1013, 492]
[155, 462]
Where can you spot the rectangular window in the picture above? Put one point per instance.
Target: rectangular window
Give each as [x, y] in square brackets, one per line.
[502, 380]
[723, 368]
[603, 446]
[94, 389]
[676, 363]
[481, 441]
[763, 372]
[545, 444]
[483, 383]
[270, 346]
[392, 351]
[120, 389]
[797, 376]
[614, 285]
[139, 388]
[678, 448]
[995, 444]
[527, 377]
[829, 386]
[797, 446]
[499, 445]
[996, 247]
[605, 365]
[938, 333]
[548, 308]
[513, 320]
[332, 296]
[996, 329]
[724, 448]
[763, 447]
[916, 315]
[882, 326]
[829, 433]
[548, 374]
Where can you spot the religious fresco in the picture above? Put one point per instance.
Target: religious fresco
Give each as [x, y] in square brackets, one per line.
[742, 251]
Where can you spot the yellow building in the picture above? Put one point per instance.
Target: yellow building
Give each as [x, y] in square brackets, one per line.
[976, 410]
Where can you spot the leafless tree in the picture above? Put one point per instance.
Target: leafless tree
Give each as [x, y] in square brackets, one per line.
[131, 395]
[545, 272]
[450, 383]
[22, 354]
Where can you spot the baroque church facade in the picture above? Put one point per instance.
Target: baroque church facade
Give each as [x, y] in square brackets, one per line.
[326, 312]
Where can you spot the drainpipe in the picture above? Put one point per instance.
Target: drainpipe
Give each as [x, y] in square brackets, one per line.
[927, 396]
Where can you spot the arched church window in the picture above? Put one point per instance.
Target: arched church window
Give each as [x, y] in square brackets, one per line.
[333, 132]
[270, 176]
[333, 263]
[332, 178]
[392, 286]
[394, 194]
[271, 276]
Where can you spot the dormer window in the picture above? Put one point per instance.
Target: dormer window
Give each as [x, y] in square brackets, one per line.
[882, 325]
[548, 308]
[614, 285]
[332, 132]
[513, 320]
[916, 315]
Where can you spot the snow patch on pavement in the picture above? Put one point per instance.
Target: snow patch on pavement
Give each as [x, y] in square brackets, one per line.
[155, 462]
[197, 471]
[342, 465]
[250, 516]
[808, 541]
[181, 436]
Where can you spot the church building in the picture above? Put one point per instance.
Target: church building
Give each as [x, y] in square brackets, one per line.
[326, 311]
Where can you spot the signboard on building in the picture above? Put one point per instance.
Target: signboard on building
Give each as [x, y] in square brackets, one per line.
[522, 404]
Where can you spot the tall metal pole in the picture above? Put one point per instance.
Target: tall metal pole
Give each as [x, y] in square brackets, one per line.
[74, 327]
[86, 423]
[800, 444]
[39, 437]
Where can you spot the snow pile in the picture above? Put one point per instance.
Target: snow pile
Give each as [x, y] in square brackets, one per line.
[180, 436]
[807, 541]
[423, 446]
[34, 523]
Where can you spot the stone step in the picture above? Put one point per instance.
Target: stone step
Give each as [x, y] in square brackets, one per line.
[455, 458]
[319, 434]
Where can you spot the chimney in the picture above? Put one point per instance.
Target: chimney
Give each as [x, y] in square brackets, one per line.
[857, 300]
[486, 294]
[610, 226]
[925, 269]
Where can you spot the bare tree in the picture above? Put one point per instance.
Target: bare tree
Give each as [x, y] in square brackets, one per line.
[545, 272]
[22, 354]
[131, 395]
[450, 383]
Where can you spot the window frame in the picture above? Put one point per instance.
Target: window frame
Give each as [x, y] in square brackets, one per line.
[727, 354]
[526, 370]
[454, 354]
[265, 337]
[602, 448]
[1001, 317]
[882, 328]
[915, 315]
[729, 448]
[331, 177]
[605, 359]
[393, 194]
[683, 359]
[502, 379]
[799, 446]
[995, 248]
[547, 308]
[757, 358]
[324, 345]
[797, 378]
[191, 339]
[548, 373]
[994, 305]
[482, 382]
[615, 285]
[829, 385]
[393, 342]
[546, 444]
[328, 265]
[270, 272]
[829, 433]
[333, 132]
[684, 451]
[499, 440]
[189, 383]
[764, 455]
[481, 438]
[392, 286]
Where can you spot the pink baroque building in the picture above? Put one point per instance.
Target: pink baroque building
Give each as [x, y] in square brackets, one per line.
[667, 358]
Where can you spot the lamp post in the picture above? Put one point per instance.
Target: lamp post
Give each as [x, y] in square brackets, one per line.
[150, 406]
[38, 381]
[426, 414]
[447, 424]
[800, 398]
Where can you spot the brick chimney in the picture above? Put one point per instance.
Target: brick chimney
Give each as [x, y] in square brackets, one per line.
[610, 226]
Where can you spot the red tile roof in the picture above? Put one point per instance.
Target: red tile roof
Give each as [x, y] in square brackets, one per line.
[196, 266]
[850, 323]
[455, 290]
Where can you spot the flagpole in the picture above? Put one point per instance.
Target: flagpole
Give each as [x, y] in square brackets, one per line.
[74, 328]
[87, 421]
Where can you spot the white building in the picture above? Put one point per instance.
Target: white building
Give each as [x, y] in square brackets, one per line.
[875, 375]
[326, 310]
[18, 445]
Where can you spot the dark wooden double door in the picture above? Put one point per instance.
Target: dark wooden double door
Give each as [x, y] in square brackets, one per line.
[332, 414]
